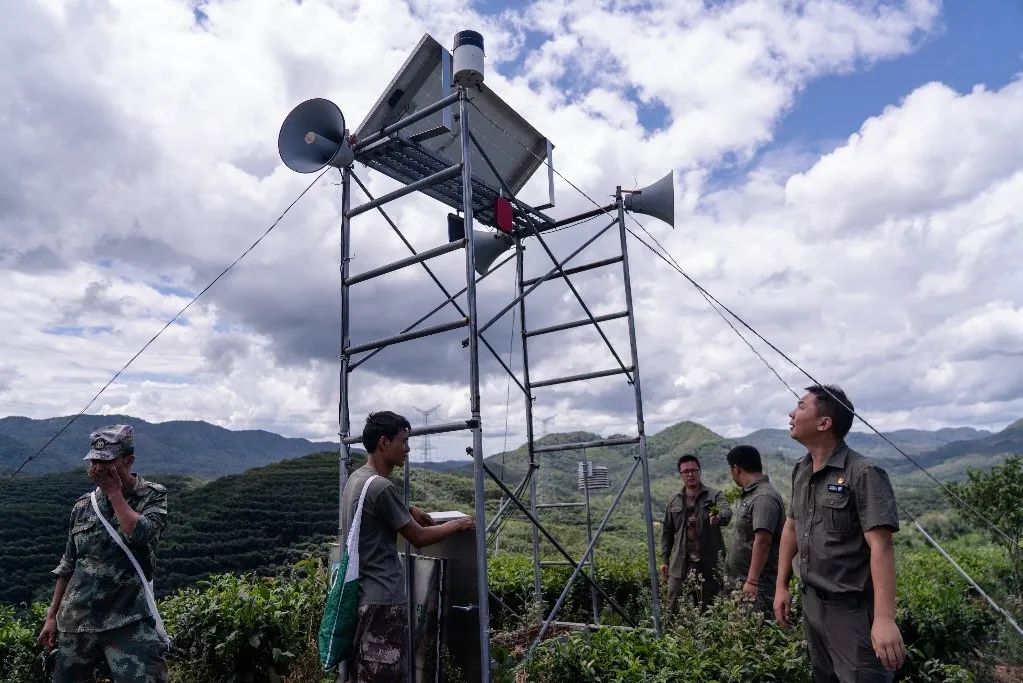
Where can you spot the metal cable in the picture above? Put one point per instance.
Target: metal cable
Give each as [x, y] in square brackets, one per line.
[665, 256]
[162, 330]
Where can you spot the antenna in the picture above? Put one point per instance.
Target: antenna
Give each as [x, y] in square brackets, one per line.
[425, 446]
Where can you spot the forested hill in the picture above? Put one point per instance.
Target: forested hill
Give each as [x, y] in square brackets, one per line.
[258, 521]
[192, 448]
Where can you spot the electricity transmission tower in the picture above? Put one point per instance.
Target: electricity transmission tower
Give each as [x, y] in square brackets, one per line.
[425, 446]
[545, 421]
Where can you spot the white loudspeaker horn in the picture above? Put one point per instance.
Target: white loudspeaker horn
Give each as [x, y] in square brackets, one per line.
[312, 136]
[487, 246]
[657, 200]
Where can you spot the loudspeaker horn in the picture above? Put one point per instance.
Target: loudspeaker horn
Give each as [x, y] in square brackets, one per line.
[312, 136]
[657, 200]
[487, 246]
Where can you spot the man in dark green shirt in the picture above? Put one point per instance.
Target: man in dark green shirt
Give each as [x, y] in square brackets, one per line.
[99, 610]
[841, 523]
[756, 534]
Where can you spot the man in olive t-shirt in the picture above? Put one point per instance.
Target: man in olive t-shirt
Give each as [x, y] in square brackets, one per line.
[380, 651]
[756, 533]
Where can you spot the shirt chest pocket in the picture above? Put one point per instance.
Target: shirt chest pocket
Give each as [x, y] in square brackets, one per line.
[678, 516]
[84, 535]
[744, 519]
[837, 513]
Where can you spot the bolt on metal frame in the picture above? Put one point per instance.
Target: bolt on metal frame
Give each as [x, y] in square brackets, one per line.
[436, 178]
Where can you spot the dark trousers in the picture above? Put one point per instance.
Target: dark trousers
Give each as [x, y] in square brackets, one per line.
[707, 588]
[838, 638]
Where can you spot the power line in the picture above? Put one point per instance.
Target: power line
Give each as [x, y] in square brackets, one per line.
[670, 260]
[162, 330]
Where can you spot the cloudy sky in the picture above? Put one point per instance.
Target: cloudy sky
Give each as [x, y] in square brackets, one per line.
[849, 179]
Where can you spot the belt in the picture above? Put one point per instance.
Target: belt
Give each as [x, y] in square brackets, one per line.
[850, 598]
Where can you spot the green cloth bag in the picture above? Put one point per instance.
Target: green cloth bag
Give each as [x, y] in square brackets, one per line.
[341, 611]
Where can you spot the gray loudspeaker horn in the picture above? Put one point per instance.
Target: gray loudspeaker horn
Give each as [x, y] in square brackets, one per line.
[487, 247]
[312, 136]
[657, 200]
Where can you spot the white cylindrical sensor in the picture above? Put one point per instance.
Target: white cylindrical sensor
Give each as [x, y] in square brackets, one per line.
[467, 59]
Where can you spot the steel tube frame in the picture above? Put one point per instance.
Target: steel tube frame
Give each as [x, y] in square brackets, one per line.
[407, 336]
[589, 536]
[543, 279]
[343, 413]
[474, 424]
[483, 608]
[520, 252]
[579, 269]
[438, 177]
[640, 425]
[438, 307]
[440, 285]
[553, 541]
[361, 145]
[576, 323]
[582, 377]
[622, 441]
[576, 570]
[417, 257]
[579, 298]
[507, 503]
[439, 428]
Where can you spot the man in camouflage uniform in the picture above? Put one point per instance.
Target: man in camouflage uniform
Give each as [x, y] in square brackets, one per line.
[99, 610]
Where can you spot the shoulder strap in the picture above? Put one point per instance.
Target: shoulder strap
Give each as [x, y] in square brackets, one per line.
[147, 586]
[352, 544]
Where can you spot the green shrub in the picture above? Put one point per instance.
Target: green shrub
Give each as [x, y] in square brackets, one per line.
[19, 652]
[939, 614]
[625, 580]
[244, 628]
[728, 643]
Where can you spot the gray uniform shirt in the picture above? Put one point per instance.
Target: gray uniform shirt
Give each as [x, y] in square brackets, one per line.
[832, 508]
[381, 577]
[759, 508]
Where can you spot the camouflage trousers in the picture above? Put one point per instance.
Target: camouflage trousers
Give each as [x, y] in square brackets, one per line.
[380, 649]
[132, 653]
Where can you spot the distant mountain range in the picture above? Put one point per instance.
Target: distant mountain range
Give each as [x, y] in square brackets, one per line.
[200, 449]
[195, 448]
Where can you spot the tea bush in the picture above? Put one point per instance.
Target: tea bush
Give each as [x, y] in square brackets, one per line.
[244, 628]
[939, 614]
[19, 653]
[726, 644]
[625, 580]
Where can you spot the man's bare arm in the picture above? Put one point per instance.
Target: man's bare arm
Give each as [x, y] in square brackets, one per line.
[48, 635]
[786, 553]
[761, 549]
[422, 536]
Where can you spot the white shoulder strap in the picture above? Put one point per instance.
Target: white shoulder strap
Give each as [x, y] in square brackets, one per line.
[147, 586]
[352, 544]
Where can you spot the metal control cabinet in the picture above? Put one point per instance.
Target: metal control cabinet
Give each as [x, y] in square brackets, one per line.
[459, 611]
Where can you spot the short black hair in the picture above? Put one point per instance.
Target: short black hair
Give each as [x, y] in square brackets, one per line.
[745, 457]
[381, 424]
[688, 457]
[832, 402]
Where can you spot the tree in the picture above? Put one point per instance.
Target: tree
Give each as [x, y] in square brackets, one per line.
[998, 495]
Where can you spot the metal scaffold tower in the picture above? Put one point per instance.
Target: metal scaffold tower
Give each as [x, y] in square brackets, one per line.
[439, 130]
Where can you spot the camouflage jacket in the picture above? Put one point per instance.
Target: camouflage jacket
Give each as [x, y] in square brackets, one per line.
[104, 591]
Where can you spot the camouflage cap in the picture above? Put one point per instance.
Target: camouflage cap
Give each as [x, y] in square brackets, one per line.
[110, 442]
